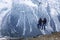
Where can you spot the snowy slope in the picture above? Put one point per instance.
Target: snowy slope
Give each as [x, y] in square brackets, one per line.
[20, 18]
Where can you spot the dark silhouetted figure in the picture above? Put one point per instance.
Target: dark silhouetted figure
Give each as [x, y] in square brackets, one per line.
[39, 22]
[42, 23]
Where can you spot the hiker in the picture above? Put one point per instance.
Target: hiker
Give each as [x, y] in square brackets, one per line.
[44, 21]
[39, 23]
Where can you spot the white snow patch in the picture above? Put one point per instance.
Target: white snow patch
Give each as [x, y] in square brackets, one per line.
[29, 3]
[53, 12]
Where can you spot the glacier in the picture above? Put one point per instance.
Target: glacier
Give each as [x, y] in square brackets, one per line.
[20, 18]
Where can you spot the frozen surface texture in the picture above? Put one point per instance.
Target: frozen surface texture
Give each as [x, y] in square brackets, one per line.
[19, 18]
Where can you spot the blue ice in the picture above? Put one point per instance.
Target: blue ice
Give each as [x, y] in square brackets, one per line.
[22, 20]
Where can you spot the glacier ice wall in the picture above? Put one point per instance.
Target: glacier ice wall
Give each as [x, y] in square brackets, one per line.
[20, 18]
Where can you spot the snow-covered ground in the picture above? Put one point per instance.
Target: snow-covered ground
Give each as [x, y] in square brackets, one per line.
[20, 17]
